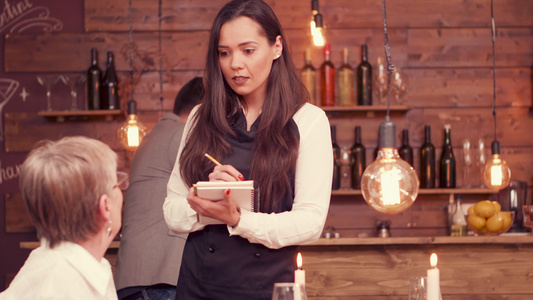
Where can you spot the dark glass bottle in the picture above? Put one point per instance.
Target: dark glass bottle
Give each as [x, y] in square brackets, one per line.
[359, 158]
[427, 161]
[447, 161]
[308, 75]
[364, 79]
[327, 79]
[94, 82]
[336, 160]
[110, 85]
[405, 150]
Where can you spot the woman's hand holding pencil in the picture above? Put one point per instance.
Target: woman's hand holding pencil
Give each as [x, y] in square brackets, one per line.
[227, 169]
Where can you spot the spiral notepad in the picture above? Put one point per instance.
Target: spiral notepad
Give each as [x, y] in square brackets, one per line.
[243, 193]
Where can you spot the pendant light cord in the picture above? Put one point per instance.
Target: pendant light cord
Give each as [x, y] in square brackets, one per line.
[390, 67]
[131, 50]
[493, 65]
[160, 62]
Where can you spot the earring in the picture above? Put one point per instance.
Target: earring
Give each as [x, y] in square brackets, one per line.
[109, 229]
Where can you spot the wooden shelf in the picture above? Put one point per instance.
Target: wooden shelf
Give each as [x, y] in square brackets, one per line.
[506, 238]
[369, 110]
[426, 192]
[61, 115]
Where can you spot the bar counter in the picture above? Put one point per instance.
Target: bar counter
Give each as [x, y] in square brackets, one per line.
[471, 267]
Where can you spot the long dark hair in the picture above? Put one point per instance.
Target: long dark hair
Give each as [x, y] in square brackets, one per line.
[276, 146]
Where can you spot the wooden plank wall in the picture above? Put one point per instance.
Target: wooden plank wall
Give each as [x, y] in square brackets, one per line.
[443, 47]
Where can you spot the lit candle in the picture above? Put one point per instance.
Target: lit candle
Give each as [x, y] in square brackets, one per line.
[299, 274]
[433, 290]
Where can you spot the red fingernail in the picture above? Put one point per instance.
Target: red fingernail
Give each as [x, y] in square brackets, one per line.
[241, 177]
[227, 191]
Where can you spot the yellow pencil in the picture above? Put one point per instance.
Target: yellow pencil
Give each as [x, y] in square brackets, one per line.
[218, 164]
[213, 160]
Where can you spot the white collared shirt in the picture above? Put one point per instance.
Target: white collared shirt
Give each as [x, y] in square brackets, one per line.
[67, 271]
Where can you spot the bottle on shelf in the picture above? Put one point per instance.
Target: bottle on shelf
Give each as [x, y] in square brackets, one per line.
[447, 161]
[94, 82]
[405, 150]
[308, 76]
[336, 160]
[327, 79]
[364, 79]
[359, 159]
[110, 98]
[458, 227]
[346, 81]
[427, 161]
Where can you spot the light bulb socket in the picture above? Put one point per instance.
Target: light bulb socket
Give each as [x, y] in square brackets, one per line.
[319, 21]
[387, 135]
[314, 5]
[495, 147]
[132, 107]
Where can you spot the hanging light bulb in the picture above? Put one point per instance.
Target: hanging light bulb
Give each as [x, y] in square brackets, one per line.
[496, 173]
[389, 184]
[314, 11]
[318, 37]
[132, 131]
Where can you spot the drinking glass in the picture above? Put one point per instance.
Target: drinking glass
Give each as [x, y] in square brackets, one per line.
[528, 216]
[417, 288]
[399, 85]
[380, 82]
[48, 81]
[467, 164]
[288, 291]
[73, 81]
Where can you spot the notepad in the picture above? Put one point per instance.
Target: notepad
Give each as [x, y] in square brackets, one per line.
[244, 193]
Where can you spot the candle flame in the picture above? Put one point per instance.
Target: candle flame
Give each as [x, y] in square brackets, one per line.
[433, 260]
[299, 260]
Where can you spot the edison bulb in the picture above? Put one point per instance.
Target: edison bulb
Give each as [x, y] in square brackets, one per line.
[496, 173]
[318, 37]
[131, 133]
[389, 184]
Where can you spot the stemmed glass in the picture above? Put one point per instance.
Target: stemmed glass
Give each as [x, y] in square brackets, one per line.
[346, 161]
[48, 81]
[288, 291]
[73, 81]
[528, 216]
[399, 84]
[417, 288]
[467, 163]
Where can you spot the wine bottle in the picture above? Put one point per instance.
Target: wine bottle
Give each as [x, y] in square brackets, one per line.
[336, 159]
[405, 150]
[427, 161]
[364, 79]
[359, 158]
[447, 161]
[327, 79]
[110, 85]
[308, 76]
[94, 82]
[346, 81]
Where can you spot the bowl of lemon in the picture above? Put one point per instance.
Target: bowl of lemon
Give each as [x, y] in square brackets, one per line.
[487, 218]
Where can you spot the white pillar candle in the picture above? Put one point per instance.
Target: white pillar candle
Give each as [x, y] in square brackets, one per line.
[433, 290]
[299, 274]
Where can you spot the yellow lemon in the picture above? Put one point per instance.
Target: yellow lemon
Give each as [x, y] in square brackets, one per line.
[507, 219]
[497, 206]
[495, 223]
[476, 222]
[470, 210]
[484, 208]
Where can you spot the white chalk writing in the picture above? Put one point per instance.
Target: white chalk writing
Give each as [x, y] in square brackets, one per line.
[38, 16]
[8, 173]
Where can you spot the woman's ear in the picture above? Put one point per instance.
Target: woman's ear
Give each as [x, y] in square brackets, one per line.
[104, 207]
[278, 47]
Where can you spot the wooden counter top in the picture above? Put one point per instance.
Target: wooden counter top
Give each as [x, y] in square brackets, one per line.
[435, 240]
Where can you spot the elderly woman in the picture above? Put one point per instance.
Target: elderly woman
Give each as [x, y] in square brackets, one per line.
[72, 192]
